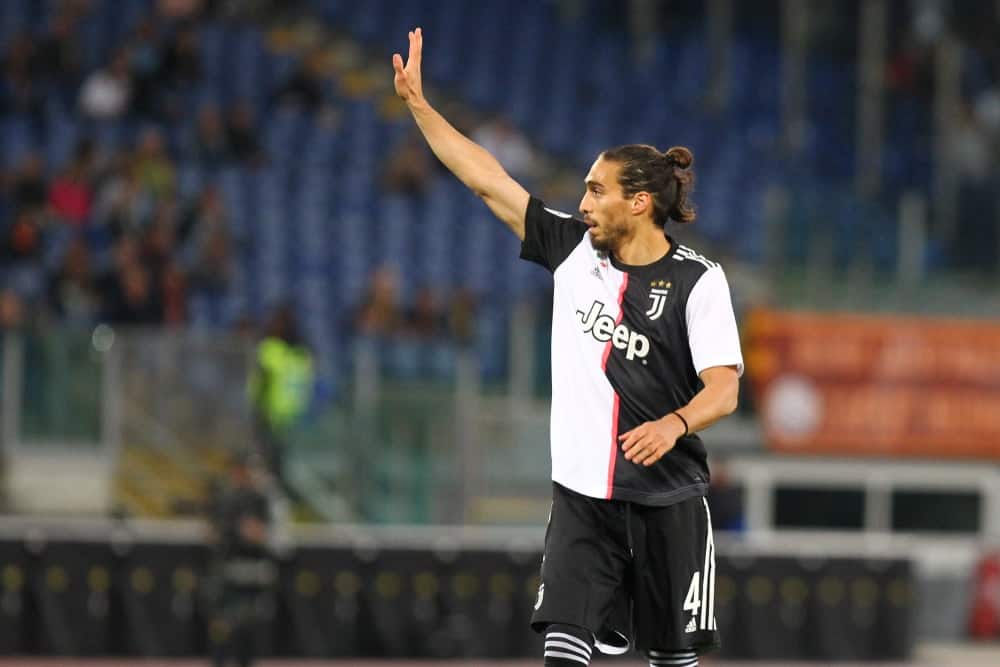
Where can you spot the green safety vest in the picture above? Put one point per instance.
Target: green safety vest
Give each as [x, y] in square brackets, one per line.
[281, 385]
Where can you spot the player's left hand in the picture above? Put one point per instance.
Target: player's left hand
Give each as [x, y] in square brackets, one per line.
[647, 443]
[408, 79]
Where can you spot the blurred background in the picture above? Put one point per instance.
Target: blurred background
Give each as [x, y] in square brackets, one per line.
[272, 382]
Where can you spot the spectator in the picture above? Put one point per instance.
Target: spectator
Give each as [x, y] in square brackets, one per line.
[153, 166]
[462, 316]
[213, 264]
[157, 254]
[59, 52]
[159, 243]
[409, 168]
[72, 293]
[378, 314]
[183, 9]
[146, 63]
[22, 239]
[425, 320]
[107, 92]
[71, 195]
[211, 143]
[133, 299]
[20, 89]
[122, 206]
[174, 288]
[182, 59]
[241, 131]
[21, 246]
[305, 88]
[209, 211]
[29, 189]
[124, 253]
[126, 294]
[13, 312]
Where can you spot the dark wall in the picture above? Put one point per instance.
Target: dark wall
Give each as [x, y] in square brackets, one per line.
[125, 598]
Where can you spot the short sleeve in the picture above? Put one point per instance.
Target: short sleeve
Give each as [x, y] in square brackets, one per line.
[711, 323]
[549, 235]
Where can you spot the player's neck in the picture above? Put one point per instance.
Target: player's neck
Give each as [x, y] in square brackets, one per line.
[646, 246]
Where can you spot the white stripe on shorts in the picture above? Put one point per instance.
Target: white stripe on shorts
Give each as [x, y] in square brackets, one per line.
[707, 618]
[710, 594]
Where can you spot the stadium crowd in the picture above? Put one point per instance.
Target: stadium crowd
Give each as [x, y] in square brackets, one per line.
[102, 231]
[106, 235]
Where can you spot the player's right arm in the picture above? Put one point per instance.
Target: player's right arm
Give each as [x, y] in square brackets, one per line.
[470, 162]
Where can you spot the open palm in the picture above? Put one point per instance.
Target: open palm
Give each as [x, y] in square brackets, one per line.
[408, 79]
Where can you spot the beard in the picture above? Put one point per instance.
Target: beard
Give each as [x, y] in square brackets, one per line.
[611, 237]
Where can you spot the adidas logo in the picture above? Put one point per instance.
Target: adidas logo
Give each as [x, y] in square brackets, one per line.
[691, 626]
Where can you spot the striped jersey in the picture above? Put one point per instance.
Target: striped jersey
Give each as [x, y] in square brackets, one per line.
[628, 343]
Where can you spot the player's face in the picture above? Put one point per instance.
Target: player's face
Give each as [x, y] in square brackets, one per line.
[605, 208]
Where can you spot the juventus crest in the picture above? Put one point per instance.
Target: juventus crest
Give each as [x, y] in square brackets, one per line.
[658, 294]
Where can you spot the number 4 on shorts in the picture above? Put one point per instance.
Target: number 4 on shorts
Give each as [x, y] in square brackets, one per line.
[692, 601]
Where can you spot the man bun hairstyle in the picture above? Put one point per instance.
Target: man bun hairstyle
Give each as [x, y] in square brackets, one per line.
[667, 176]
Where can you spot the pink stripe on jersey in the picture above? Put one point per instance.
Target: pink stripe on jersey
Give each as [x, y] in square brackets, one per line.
[614, 409]
[621, 312]
[614, 448]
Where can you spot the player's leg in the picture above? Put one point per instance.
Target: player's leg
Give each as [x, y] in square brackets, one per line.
[674, 582]
[583, 572]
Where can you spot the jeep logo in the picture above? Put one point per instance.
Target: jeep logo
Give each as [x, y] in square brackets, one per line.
[603, 328]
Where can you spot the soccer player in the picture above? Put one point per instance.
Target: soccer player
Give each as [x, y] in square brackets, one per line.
[645, 353]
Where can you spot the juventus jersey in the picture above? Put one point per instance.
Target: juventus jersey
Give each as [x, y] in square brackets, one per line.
[628, 343]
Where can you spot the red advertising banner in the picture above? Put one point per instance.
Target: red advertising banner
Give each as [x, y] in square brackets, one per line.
[876, 385]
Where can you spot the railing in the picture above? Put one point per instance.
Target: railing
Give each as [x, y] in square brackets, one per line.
[144, 421]
[54, 390]
[434, 447]
[126, 420]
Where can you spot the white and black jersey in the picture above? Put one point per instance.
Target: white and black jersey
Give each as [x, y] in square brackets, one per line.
[628, 343]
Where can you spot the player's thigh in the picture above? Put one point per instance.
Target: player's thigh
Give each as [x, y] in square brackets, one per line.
[674, 578]
[585, 561]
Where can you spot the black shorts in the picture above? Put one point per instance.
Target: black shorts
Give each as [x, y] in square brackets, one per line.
[633, 571]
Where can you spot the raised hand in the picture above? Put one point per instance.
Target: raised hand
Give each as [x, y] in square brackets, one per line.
[409, 85]
[470, 162]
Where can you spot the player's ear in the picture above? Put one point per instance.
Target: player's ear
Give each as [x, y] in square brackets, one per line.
[641, 202]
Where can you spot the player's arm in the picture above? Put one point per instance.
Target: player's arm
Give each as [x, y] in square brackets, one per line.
[648, 442]
[715, 353]
[716, 400]
[470, 162]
